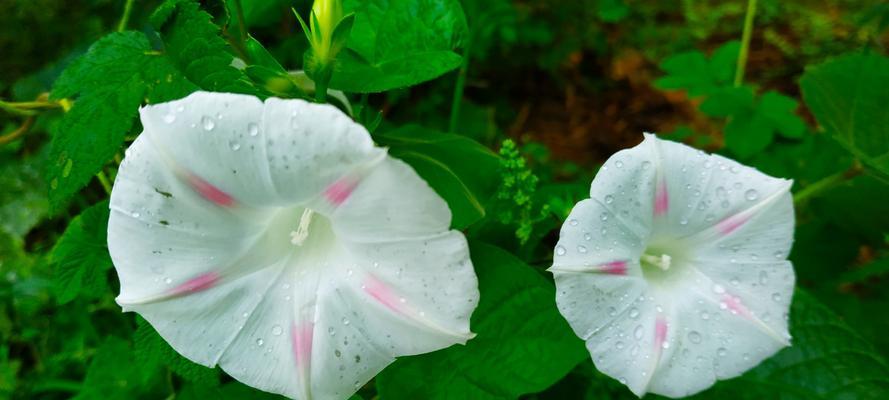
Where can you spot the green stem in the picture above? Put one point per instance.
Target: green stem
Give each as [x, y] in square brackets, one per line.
[825, 184]
[125, 18]
[321, 91]
[103, 179]
[458, 88]
[745, 42]
[242, 24]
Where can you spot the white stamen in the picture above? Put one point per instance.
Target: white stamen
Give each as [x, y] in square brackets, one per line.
[662, 261]
[299, 236]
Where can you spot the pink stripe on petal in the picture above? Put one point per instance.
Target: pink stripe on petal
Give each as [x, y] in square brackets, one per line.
[660, 332]
[735, 306]
[340, 190]
[379, 291]
[731, 223]
[210, 192]
[615, 268]
[301, 342]
[661, 198]
[197, 284]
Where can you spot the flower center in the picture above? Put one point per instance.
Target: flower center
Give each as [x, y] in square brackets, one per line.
[298, 237]
[662, 261]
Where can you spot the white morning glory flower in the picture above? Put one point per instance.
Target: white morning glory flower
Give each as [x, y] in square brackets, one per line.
[674, 271]
[273, 239]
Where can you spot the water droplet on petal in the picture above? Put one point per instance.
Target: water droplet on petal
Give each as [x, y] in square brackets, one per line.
[779, 254]
[705, 315]
[234, 145]
[560, 250]
[637, 333]
[208, 123]
[619, 164]
[581, 249]
[646, 164]
[776, 297]
[587, 236]
[345, 321]
[604, 216]
[170, 118]
[572, 222]
[694, 337]
[619, 345]
[751, 195]
[277, 330]
[252, 129]
[260, 342]
[609, 199]
[763, 277]
[721, 352]
[718, 289]
[331, 331]
[634, 313]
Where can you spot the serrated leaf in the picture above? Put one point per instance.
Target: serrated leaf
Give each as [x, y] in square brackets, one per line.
[192, 42]
[461, 170]
[110, 81]
[523, 344]
[848, 96]
[399, 43]
[80, 257]
[151, 349]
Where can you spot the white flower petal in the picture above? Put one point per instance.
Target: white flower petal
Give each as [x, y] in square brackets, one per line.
[392, 203]
[706, 288]
[233, 269]
[246, 151]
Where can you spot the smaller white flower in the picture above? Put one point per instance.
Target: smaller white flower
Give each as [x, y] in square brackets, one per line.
[674, 271]
[275, 240]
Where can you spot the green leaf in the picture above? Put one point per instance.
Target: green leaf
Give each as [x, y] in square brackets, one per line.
[728, 101]
[81, 256]
[461, 170]
[828, 360]
[523, 344]
[192, 42]
[698, 74]
[399, 43]
[780, 110]
[747, 134]
[848, 96]
[114, 374]
[612, 10]
[23, 202]
[110, 82]
[151, 349]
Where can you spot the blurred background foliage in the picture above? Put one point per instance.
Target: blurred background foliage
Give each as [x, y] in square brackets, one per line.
[553, 86]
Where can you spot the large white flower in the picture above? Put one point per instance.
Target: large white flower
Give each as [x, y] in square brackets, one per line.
[674, 271]
[273, 239]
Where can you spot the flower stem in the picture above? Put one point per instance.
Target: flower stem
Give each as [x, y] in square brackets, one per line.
[19, 132]
[239, 10]
[745, 42]
[125, 18]
[458, 89]
[825, 184]
[103, 179]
